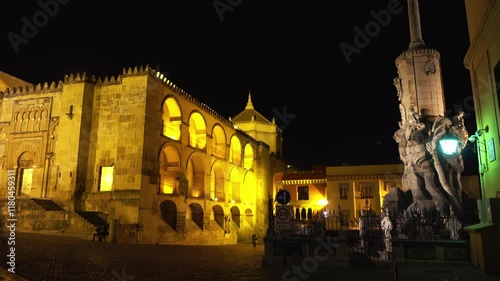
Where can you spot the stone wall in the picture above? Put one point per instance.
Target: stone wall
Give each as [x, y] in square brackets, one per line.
[428, 250]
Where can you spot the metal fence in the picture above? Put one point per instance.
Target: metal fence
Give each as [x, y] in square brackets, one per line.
[428, 227]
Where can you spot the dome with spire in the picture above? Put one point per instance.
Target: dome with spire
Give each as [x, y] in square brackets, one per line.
[250, 114]
[259, 127]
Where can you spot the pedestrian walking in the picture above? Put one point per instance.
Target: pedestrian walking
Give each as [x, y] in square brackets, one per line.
[254, 240]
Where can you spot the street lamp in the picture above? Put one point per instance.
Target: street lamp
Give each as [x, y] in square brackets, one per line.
[449, 144]
[323, 203]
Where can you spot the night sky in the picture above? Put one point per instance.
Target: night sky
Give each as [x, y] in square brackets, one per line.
[340, 109]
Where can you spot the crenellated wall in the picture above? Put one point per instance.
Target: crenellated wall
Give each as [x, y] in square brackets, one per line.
[99, 144]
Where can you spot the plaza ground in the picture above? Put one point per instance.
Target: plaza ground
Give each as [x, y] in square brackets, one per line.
[56, 258]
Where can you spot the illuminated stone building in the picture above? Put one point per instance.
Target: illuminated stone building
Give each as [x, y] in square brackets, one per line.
[157, 164]
[483, 61]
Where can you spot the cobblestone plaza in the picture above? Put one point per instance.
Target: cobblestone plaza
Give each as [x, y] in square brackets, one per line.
[57, 258]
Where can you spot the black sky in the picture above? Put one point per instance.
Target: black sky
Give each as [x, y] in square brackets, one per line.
[286, 52]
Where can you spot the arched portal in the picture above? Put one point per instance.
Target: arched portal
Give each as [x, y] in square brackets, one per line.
[218, 215]
[196, 214]
[236, 216]
[249, 217]
[169, 213]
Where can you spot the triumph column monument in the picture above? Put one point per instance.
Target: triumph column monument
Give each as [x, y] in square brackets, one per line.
[432, 173]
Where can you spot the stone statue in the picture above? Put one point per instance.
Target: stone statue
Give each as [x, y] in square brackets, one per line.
[362, 226]
[433, 178]
[453, 225]
[386, 225]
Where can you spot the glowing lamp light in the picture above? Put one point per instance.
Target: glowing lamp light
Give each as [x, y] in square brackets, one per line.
[323, 202]
[449, 145]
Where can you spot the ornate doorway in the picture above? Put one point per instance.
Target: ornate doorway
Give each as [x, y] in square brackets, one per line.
[25, 172]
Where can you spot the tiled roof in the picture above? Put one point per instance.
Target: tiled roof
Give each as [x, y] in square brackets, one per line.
[9, 81]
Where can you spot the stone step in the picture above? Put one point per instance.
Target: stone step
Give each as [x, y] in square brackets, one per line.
[47, 204]
[95, 218]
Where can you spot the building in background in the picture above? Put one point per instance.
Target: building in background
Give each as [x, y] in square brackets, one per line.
[136, 152]
[352, 189]
[307, 191]
[338, 194]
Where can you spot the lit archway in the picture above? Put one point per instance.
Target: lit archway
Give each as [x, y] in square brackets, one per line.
[234, 185]
[219, 142]
[196, 177]
[248, 157]
[235, 151]
[197, 131]
[169, 170]
[249, 190]
[217, 188]
[172, 119]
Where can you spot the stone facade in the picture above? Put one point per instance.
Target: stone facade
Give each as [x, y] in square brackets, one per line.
[161, 165]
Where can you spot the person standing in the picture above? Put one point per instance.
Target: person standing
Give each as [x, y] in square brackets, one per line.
[104, 233]
[97, 233]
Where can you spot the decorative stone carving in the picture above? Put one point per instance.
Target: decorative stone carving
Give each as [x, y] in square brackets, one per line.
[31, 148]
[430, 67]
[4, 131]
[432, 177]
[399, 87]
[31, 115]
